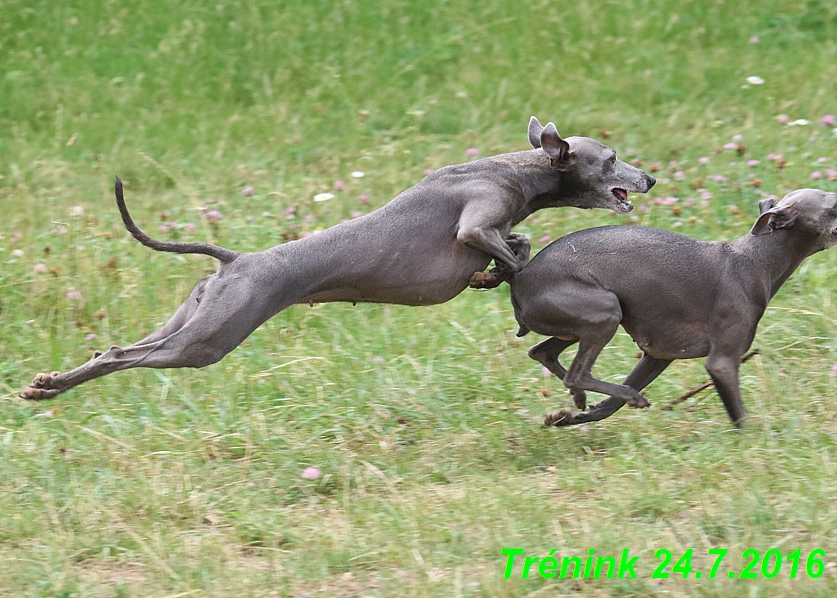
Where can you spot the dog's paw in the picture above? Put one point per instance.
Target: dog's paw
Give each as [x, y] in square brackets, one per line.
[42, 387]
[579, 398]
[638, 402]
[519, 244]
[558, 418]
[484, 280]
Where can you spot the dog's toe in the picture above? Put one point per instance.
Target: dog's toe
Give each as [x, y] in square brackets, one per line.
[483, 280]
[30, 393]
[44, 380]
[557, 418]
[638, 402]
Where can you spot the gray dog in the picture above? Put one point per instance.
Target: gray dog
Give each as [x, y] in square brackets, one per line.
[424, 247]
[677, 297]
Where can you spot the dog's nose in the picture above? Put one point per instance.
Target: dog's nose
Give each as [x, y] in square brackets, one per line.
[651, 181]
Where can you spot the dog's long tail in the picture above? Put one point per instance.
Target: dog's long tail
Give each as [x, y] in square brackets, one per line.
[219, 253]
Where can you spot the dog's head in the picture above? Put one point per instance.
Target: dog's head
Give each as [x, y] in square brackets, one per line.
[808, 212]
[591, 175]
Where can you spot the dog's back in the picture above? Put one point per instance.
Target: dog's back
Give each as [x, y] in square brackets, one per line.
[628, 260]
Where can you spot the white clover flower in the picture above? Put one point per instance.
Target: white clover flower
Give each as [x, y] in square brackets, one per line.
[357, 174]
[755, 80]
[323, 196]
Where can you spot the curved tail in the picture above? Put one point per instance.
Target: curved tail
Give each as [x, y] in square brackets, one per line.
[219, 253]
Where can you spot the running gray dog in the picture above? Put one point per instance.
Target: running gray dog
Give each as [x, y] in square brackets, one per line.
[677, 297]
[422, 248]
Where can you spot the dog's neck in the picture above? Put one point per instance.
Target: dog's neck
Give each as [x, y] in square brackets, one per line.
[538, 179]
[777, 255]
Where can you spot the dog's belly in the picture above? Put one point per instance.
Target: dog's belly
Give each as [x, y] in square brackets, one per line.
[677, 341]
[422, 295]
[436, 281]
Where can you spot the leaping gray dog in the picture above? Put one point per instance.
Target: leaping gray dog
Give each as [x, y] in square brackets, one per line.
[677, 297]
[424, 247]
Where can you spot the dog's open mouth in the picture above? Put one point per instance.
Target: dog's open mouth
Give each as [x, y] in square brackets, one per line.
[622, 196]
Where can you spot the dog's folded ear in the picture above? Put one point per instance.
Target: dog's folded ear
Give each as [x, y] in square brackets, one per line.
[535, 129]
[773, 218]
[766, 204]
[551, 142]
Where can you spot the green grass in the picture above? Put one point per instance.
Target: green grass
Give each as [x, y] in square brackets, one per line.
[423, 421]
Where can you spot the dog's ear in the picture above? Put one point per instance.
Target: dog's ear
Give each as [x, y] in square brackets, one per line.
[766, 204]
[551, 142]
[774, 218]
[762, 225]
[535, 129]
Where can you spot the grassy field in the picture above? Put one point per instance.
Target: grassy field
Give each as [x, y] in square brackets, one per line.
[423, 422]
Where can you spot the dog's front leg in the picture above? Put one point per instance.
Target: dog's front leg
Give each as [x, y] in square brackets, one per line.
[518, 244]
[483, 226]
[490, 241]
[723, 370]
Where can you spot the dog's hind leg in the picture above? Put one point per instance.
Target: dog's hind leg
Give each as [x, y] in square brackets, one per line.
[158, 354]
[547, 354]
[579, 376]
[643, 374]
[218, 315]
[183, 314]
